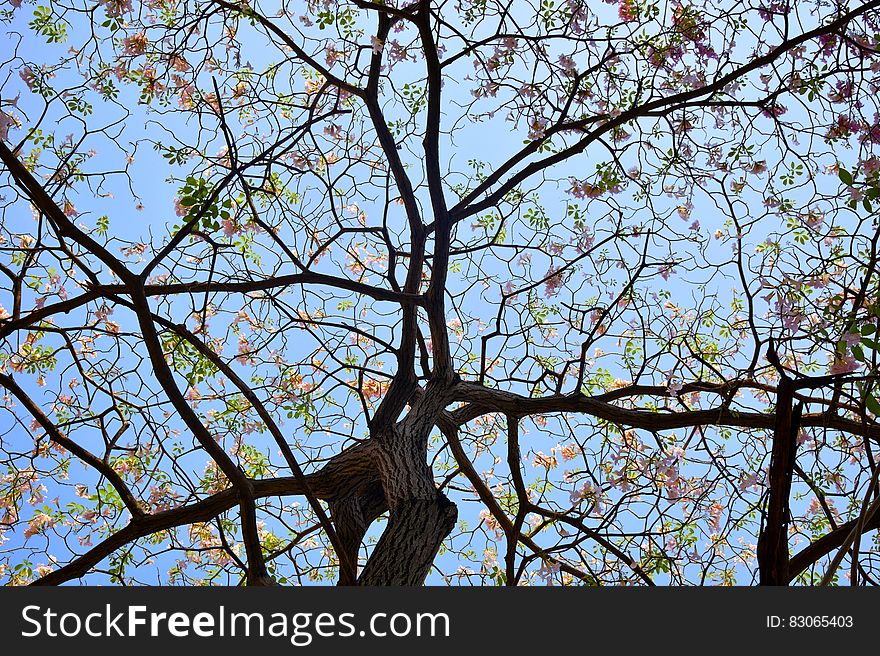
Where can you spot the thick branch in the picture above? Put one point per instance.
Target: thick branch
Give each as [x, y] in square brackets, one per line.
[351, 469]
[485, 400]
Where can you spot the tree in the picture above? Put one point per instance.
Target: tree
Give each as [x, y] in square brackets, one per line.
[496, 292]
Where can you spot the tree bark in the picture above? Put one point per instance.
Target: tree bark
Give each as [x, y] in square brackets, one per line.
[773, 548]
[352, 516]
[420, 516]
[406, 551]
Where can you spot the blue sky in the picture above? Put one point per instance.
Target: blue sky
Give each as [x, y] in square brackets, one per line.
[703, 281]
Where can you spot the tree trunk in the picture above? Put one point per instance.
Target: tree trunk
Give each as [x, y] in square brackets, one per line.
[420, 516]
[773, 548]
[407, 548]
[352, 516]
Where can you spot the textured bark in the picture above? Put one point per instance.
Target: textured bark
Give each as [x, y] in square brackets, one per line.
[407, 548]
[773, 548]
[420, 516]
[352, 516]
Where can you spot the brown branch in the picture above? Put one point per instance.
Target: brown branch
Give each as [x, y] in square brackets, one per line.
[134, 507]
[351, 469]
[449, 426]
[347, 567]
[250, 286]
[484, 400]
[772, 548]
[468, 207]
[9, 326]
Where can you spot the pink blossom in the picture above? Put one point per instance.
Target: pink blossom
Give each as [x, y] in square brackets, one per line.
[6, 121]
[584, 189]
[487, 88]
[491, 523]
[39, 522]
[162, 498]
[715, 512]
[28, 76]
[548, 570]
[185, 91]
[42, 570]
[844, 365]
[553, 283]
[333, 131]
[179, 63]
[136, 44]
[774, 110]
[627, 11]
[852, 339]
[213, 102]
[230, 229]
[585, 242]
[748, 481]
[585, 491]
[332, 56]
[855, 193]
[373, 389]
[567, 63]
[120, 70]
[537, 127]
[116, 7]
[244, 351]
[398, 52]
[871, 166]
[545, 461]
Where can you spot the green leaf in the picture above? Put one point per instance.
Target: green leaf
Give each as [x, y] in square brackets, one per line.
[870, 343]
[845, 176]
[872, 404]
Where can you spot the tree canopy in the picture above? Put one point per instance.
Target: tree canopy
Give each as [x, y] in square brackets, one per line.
[475, 292]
